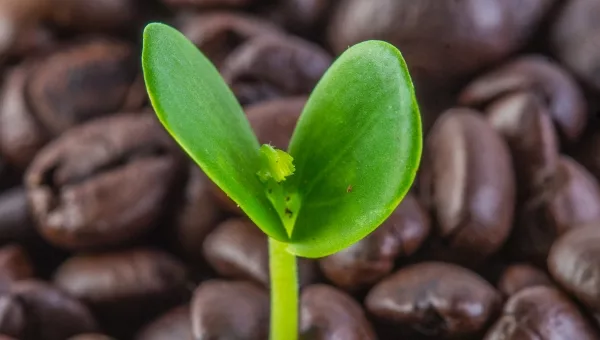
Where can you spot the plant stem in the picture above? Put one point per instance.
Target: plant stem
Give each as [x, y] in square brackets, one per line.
[284, 292]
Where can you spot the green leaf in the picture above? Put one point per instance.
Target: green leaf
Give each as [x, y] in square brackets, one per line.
[201, 113]
[356, 149]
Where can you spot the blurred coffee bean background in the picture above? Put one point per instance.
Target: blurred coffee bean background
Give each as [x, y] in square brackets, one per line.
[109, 232]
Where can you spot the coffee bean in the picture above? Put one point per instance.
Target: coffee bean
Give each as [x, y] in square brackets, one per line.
[19, 19]
[328, 314]
[467, 180]
[435, 298]
[230, 310]
[440, 40]
[218, 34]
[574, 263]
[50, 313]
[372, 258]
[239, 249]
[537, 75]
[578, 18]
[572, 199]
[12, 316]
[84, 81]
[271, 66]
[517, 277]
[15, 221]
[131, 277]
[15, 264]
[90, 336]
[175, 324]
[541, 313]
[303, 16]
[527, 127]
[97, 16]
[197, 214]
[73, 182]
[273, 122]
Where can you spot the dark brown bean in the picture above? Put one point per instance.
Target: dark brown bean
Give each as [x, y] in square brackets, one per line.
[175, 324]
[517, 277]
[72, 182]
[575, 265]
[239, 249]
[537, 75]
[467, 179]
[13, 320]
[439, 39]
[572, 199]
[270, 66]
[50, 313]
[528, 130]
[217, 34]
[15, 221]
[136, 276]
[328, 314]
[15, 264]
[230, 310]
[197, 215]
[575, 38]
[21, 135]
[372, 258]
[541, 313]
[435, 298]
[84, 81]
[273, 123]
[98, 15]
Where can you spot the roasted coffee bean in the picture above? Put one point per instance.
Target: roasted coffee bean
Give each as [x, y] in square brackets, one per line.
[575, 38]
[526, 126]
[517, 277]
[90, 336]
[84, 81]
[575, 265]
[541, 313]
[132, 277]
[467, 180]
[435, 298]
[19, 19]
[75, 84]
[197, 214]
[537, 75]
[372, 258]
[12, 315]
[218, 34]
[50, 313]
[175, 324]
[98, 15]
[230, 310]
[21, 135]
[329, 314]
[207, 3]
[239, 249]
[15, 221]
[15, 264]
[572, 199]
[274, 66]
[440, 40]
[102, 183]
[273, 123]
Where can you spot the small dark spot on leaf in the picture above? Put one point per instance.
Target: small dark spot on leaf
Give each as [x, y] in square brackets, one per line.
[270, 191]
[287, 199]
[288, 212]
[349, 189]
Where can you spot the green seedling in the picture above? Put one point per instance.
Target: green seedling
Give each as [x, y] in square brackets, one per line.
[352, 157]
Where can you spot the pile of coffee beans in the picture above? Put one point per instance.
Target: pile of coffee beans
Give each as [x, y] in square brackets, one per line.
[108, 231]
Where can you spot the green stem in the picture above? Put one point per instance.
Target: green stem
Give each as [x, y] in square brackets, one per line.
[284, 292]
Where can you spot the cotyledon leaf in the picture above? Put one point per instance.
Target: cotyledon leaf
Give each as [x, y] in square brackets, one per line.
[356, 149]
[201, 113]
